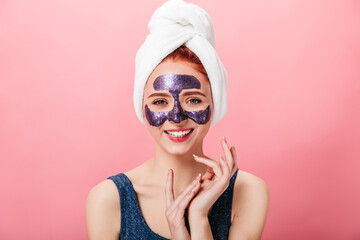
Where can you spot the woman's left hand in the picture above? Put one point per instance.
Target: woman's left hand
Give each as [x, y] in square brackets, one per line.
[214, 182]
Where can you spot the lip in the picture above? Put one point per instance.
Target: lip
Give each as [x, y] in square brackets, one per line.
[179, 139]
[178, 129]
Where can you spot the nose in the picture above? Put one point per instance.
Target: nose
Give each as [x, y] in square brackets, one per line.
[177, 114]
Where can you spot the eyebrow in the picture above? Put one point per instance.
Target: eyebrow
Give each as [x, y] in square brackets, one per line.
[163, 94]
[159, 95]
[193, 93]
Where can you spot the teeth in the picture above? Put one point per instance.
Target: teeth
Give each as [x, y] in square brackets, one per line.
[178, 134]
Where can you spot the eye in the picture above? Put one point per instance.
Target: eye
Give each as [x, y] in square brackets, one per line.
[194, 101]
[159, 102]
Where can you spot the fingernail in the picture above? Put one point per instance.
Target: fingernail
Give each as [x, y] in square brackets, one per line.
[195, 156]
[198, 177]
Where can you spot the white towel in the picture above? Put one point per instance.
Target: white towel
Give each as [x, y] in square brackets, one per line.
[173, 24]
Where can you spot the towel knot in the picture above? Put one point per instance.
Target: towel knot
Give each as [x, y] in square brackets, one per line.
[172, 25]
[177, 17]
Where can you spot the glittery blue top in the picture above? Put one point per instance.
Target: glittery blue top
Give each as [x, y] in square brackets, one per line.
[133, 225]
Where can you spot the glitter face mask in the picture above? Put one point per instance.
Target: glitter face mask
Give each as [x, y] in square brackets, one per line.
[175, 83]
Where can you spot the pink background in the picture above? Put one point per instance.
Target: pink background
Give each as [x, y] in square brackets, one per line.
[67, 120]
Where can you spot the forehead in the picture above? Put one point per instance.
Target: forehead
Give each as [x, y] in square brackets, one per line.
[176, 75]
[175, 83]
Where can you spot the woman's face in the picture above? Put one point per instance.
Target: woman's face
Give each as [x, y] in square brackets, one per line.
[177, 106]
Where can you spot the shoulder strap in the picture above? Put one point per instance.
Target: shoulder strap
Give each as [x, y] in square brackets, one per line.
[128, 201]
[220, 215]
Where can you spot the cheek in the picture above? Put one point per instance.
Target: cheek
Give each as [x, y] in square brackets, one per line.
[200, 117]
[154, 131]
[155, 118]
[203, 130]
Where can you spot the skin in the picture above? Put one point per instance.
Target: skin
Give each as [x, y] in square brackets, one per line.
[175, 84]
[159, 189]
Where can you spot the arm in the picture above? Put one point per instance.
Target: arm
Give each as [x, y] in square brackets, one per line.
[214, 183]
[251, 200]
[202, 229]
[250, 205]
[103, 212]
[175, 208]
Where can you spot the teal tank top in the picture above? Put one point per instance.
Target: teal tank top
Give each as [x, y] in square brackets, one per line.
[133, 225]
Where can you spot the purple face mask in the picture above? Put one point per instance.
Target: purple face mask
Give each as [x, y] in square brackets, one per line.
[175, 83]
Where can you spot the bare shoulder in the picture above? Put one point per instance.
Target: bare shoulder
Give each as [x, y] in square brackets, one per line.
[104, 194]
[250, 206]
[103, 211]
[246, 181]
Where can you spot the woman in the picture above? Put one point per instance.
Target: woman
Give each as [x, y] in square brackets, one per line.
[180, 193]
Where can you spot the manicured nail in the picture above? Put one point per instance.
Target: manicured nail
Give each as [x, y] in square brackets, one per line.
[198, 177]
[195, 156]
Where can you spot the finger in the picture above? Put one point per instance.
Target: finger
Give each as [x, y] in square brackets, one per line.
[233, 151]
[179, 210]
[183, 204]
[227, 153]
[209, 174]
[169, 193]
[176, 202]
[210, 163]
[225, 167]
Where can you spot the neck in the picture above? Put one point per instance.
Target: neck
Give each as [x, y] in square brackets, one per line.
[185, 168]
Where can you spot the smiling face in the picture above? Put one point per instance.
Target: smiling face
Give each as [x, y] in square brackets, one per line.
[177, 106]
[175, 84]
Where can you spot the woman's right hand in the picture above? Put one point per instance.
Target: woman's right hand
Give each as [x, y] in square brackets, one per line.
[175, 208]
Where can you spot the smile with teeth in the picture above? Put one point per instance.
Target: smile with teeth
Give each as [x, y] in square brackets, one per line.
[178, 134]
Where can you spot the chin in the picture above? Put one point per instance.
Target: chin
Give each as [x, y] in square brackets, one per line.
[178, 150]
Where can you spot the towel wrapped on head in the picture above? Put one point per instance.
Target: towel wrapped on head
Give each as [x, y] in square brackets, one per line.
[173, 24]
